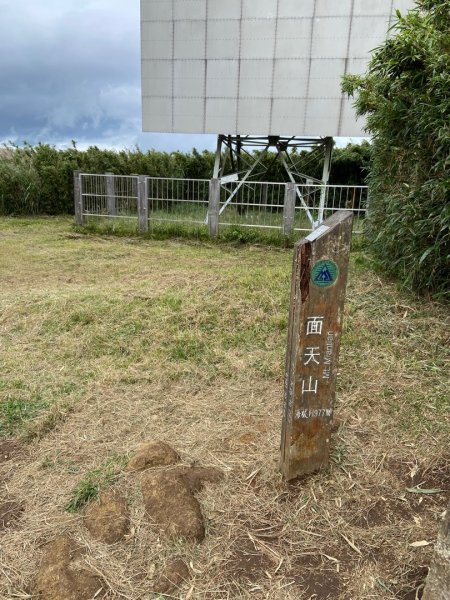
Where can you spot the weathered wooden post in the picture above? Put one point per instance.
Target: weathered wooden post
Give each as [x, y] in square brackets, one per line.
[213, 207]
[315, 322]
[78, 198]
[142, 204]
[111, 204]
[438, 581]
[289, 208]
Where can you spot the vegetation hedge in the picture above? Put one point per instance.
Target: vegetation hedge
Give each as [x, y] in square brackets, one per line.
[405, 96]
[39, 179]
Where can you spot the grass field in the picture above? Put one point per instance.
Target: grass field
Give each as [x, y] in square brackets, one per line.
[110, 341]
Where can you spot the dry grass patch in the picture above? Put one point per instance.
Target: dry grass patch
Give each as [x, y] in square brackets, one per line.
[108, 343]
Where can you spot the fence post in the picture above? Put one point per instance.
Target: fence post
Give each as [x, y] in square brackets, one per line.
[289, 208]
[78, 198]
[142, 204]
[110, 195]
[213, 207]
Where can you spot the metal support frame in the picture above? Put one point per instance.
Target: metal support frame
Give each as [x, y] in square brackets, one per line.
[240, 164]
[328, 148]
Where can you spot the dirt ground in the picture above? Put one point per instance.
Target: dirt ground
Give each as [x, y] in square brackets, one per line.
[107, 343]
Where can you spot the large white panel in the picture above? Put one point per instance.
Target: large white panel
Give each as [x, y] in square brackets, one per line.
[156, 10]
[293, 38]
[323, 82]
[223, 39]
[222, 79]
[296, 8]
[330, 37]
[157, 69]
[253, 113]
[255, 78]
[224, 9]
[190, 39]
[157, 87]
[349, 125]
[357, 66]
[220, 115]
[371, 8]
[291, 78]
[369, 31]
[258, 38]
[188, 110]
[189, 78]
[188, 106]
[154, 31]
[287, 112]
[157, 40]
[256, 66]
[334, 8]
[157, 110]
[189, 9]
[157, 78]
[261, 9]
[324, 109]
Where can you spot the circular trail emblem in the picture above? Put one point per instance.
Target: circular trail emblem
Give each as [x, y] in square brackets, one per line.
[325, 273]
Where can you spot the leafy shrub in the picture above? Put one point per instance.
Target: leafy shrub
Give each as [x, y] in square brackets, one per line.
[405, 96]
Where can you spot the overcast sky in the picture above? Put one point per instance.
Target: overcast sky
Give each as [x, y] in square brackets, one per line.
[70, 69]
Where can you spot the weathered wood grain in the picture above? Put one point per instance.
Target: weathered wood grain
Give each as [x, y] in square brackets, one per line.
[438, 582]
[315, 325]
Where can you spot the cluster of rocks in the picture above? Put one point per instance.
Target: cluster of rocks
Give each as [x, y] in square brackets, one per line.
[170, 504]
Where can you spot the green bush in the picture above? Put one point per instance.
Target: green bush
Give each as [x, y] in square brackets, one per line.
[405, 96]
[39, 179]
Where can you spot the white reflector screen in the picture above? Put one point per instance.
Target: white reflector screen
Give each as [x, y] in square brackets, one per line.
[256, 66]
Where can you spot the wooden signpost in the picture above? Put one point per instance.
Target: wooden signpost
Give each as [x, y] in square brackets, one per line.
[319, 281]
[438, 582]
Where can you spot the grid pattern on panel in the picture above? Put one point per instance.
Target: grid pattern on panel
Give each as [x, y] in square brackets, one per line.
[256, 66]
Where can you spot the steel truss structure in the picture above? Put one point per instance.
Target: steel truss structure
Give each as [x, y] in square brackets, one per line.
[247, 166]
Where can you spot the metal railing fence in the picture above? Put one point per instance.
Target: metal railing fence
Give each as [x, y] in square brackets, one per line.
[315, 203]
[253, 204]
[177, 200]
[286, 207]
[109, 195]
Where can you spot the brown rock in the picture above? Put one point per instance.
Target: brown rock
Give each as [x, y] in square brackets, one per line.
[196, 477]
[169, 502]
[61, 578]
[108, 520]
[10, 512]
[152, 454]
[173, 576]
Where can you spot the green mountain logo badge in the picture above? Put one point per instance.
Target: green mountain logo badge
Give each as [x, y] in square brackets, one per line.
[325, 273]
